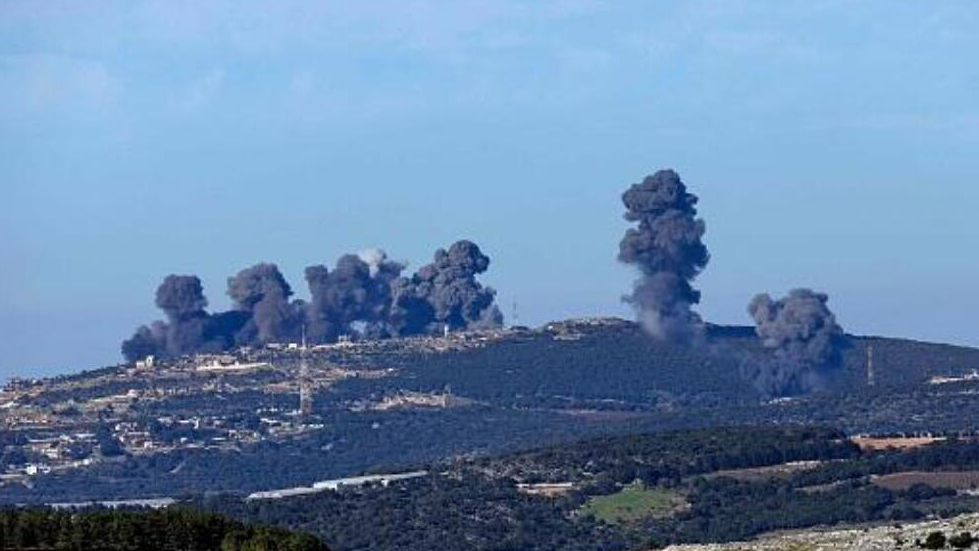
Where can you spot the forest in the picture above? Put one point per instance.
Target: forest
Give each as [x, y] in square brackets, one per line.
[478, 504]
[173, 529]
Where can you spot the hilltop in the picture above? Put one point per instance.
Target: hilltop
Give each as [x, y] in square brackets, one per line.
[231, 422]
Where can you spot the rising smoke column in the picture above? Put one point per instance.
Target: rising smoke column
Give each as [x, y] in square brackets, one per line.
[805, 337]
[148, 340]
[445, 293]
[262, 292]
[357, 290]
[668, 251]
[189, 328]
[364, 295]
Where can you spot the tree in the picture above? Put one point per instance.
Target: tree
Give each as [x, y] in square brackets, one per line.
[935, 540]
[961, 541]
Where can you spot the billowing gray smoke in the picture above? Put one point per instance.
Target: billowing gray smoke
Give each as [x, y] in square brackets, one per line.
[189, 328]
[357, 290]
[445, 293]
[263, 293]
[668, 251]
[364, 296]
[803, 333]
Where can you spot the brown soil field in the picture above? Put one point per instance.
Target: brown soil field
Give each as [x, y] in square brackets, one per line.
[873, 443]
[765, 473]
[959, 480]
[546, 489]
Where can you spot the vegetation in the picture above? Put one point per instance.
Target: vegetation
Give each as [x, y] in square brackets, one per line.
[571, 382]
[476, 505]
[632, 503]
[160, 530]
[934, 540]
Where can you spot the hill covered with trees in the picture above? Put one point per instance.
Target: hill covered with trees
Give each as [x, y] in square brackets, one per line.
[474, 394]
[631, 492]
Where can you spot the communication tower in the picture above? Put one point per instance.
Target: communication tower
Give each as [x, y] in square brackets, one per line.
[305, 382]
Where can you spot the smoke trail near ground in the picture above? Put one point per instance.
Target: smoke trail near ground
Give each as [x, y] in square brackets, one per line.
[364, 295]
[667, 249]
[189, 328]
[357, 290]
[806, 340]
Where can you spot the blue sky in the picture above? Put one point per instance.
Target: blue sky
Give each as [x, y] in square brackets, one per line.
[834, 144]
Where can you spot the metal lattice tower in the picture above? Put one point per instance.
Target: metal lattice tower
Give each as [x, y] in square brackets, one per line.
[305, 382]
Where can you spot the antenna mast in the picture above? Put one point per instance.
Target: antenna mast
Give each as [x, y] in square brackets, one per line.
[305, 390]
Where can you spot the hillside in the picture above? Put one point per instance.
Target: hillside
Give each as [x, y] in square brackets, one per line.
[171, 529]
[231, 423]
[877, 538]
[623, 493]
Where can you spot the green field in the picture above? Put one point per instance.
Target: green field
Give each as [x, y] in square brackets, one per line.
[634, 502]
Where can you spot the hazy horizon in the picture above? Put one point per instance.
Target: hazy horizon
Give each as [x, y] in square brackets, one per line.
[832, 146]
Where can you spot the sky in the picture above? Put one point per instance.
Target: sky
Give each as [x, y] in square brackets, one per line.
[833, 144]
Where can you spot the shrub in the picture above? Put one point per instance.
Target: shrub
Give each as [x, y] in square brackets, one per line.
[935, 540]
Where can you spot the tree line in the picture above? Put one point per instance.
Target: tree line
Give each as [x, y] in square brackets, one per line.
[173, 529]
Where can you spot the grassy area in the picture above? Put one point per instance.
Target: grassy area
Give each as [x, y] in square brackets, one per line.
[634, 502]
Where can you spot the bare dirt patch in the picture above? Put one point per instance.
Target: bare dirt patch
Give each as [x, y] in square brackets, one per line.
[875, 443]
[959, 480]
[756, 474]
[546, 489]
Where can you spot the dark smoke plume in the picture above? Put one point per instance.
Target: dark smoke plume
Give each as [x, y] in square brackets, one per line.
[357, 290]
[445, 293]
[189, 328]
[668, 251]
[263, 293]
[363, 296]
[181, 297]
[805, 337]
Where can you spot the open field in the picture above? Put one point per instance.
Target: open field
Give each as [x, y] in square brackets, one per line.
[874, 443]
[757, 474]
[546, 489]
[959, 480]
[634, 502]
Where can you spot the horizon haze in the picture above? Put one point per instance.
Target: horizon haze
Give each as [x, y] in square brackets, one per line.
[831, 145]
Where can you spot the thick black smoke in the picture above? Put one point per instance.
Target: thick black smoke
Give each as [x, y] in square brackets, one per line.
[357, 291]
[364, 296]
[189, 328]
[262, 292]
[805, 337]
[668, 251]
[445, 293]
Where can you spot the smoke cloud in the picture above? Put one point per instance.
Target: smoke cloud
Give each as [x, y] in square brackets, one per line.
[446, 293]
[357, 290]
[263, 293]
[365, 295]
[667, 249]
[803, 333]
[189, 328]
